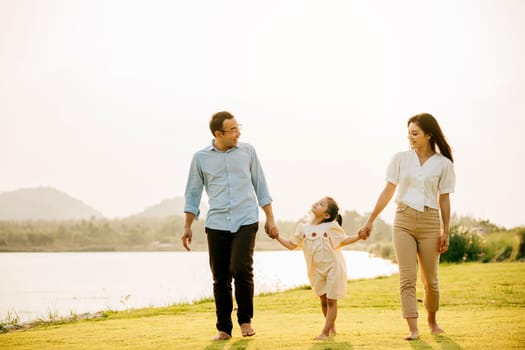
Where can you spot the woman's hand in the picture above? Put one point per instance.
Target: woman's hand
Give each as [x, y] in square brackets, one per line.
[443, 243]
[366, 230]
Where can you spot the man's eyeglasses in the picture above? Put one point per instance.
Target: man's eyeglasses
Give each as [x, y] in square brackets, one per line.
[235, 129]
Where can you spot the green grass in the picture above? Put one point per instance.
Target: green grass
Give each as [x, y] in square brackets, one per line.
[482, 307]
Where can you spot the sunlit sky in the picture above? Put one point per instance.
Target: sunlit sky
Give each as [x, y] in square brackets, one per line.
[108, 100]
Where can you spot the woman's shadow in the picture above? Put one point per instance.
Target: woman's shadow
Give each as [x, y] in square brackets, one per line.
[444, 342]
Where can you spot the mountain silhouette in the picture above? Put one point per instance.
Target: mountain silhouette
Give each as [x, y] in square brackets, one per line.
[43, 203]
[168, 207]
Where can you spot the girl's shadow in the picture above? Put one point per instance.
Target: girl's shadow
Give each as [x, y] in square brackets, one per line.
[331, 345]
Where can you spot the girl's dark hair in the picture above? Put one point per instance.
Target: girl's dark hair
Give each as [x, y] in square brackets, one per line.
[217, 119]
[430, 126]
[333, 211]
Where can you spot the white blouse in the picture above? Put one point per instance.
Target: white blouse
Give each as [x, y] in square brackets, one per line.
[419, 185]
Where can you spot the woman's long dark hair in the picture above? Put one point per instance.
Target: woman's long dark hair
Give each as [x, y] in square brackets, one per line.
[431, 127]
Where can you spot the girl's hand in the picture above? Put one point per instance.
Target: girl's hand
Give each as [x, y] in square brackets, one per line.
[365, 231]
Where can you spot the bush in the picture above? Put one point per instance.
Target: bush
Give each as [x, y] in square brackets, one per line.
[520, 246]
[464, 246]
[383, 250]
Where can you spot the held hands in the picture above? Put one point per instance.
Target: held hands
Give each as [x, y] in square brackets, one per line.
[365, 231]
[271, 229]
[186, 238]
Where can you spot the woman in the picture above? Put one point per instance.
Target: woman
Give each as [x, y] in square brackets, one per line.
[425, 177]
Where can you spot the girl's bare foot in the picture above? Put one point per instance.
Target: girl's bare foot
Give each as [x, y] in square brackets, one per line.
[222, 336]
[322, 336]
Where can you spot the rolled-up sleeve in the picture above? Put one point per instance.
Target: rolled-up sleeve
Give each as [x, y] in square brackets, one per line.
[392, 171]
[447, 181]
[259, 181]
[194, 187]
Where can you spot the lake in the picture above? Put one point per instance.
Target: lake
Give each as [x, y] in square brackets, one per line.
[49, 285]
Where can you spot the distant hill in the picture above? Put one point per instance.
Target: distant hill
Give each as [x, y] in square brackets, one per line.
[43, 203]
[168, 207]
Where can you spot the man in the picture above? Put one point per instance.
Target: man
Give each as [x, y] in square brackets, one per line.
[234, 181]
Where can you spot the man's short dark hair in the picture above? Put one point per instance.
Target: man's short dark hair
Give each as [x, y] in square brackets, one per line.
[217, 119]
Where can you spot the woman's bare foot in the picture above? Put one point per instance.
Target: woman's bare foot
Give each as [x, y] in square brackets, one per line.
[221, 336]
[433, 325]
[247, 330]
[435, 329]
[413, 331]
[412, 336]
[333, 332]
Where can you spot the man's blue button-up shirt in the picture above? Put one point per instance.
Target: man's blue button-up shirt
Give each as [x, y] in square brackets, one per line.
[235, 184]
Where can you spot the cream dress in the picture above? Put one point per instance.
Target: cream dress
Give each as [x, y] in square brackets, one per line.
[325, 262]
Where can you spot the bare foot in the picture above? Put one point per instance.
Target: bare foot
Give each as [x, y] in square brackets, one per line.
[333, 332]
[321, 336]
[435, 329]
[412, 336]
[221, 336]
[247, 330]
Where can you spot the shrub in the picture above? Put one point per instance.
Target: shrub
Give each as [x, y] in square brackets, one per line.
[383, 250]
[464, 246]
[520, 246]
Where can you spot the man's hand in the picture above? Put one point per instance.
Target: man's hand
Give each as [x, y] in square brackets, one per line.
[186, 238]
[271, 229]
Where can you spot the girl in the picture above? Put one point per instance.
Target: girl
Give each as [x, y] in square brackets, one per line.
[321, 240]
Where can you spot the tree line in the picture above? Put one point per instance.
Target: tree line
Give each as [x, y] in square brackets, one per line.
[471, 239]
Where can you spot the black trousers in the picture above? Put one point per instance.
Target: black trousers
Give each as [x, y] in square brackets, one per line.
[231, 257]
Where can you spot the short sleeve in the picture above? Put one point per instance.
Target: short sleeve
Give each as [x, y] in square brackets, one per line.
[392, 171]
[336, 234]
[297, 237]
[447, 181]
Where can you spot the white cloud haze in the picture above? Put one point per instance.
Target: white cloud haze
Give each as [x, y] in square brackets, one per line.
[108, 100]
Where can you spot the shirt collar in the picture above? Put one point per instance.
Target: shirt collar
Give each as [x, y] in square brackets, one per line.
[212, 147]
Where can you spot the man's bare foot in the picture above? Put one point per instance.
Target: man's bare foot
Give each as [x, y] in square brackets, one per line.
[322, 336]
[412, 336]
[247, 330]
[435, 329]
[221, 336]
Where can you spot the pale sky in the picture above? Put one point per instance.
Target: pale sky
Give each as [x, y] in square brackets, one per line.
[108, 100]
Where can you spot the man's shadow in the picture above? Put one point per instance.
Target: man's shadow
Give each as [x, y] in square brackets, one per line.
[241, 344]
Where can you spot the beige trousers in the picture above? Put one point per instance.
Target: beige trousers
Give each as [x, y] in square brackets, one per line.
[416, 237]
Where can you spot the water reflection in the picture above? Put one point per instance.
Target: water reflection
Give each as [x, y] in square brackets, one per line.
[45, 285]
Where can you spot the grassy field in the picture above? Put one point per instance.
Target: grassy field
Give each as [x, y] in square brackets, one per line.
[482, 307]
